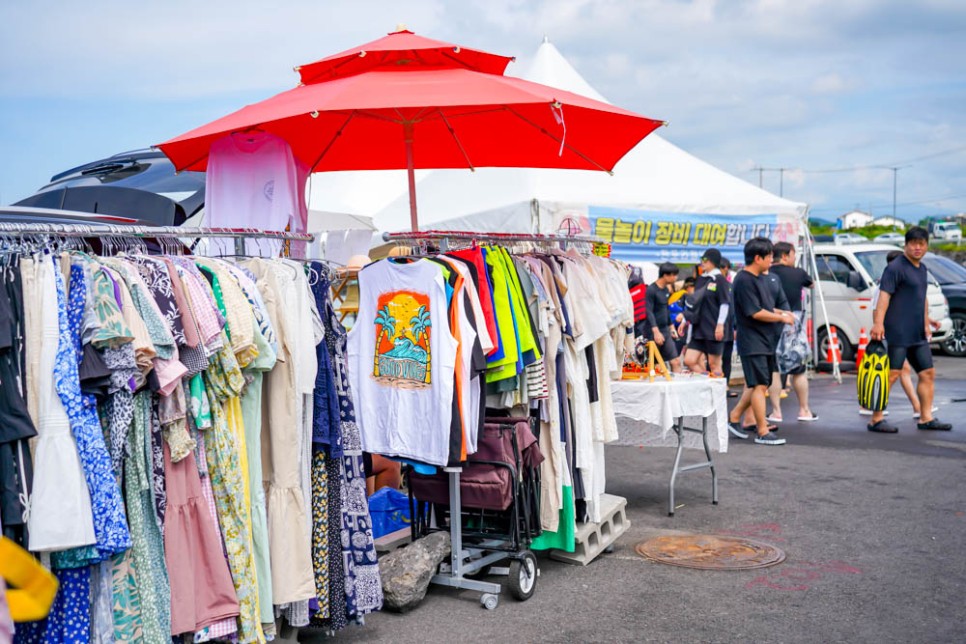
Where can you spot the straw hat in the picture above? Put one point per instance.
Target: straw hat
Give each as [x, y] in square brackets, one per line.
[358, 261]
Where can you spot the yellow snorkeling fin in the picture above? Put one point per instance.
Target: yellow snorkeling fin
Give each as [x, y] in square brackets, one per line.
[31, 587]
[873, 380]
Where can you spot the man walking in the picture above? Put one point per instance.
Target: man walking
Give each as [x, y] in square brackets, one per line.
[793, 346]
[712, 301]
[728, 347]
[756, 318]
[902, 318]
[658, 318]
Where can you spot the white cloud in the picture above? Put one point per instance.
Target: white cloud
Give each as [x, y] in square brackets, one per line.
[789, 83]
[829, 84]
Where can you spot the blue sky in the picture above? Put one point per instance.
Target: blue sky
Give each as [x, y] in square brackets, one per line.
[807, 85]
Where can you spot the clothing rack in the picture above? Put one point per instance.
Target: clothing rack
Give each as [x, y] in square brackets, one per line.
[466, 561]
[484, 236]
[115, 230]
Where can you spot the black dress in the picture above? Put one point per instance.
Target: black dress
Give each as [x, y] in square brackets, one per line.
[16, 428]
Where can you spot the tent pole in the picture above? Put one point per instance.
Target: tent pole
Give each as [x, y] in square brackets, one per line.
[411, 175]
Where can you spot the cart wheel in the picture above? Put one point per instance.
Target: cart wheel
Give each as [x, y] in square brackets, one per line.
[523, 576]
[489, 601]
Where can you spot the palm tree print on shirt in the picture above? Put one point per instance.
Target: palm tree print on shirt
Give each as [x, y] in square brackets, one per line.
[402, 352]
[386, 326]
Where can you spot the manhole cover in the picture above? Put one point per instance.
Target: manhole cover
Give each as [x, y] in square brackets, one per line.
[709, 552]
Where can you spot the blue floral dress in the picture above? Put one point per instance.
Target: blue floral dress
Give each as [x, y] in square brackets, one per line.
[110, 521]
[363, 584]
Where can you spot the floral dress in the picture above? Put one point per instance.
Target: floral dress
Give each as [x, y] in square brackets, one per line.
[227, 466]
[363, 584]
[110, 521]
[148, 560]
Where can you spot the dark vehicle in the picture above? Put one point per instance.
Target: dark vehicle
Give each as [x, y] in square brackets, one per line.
[952, 280]
[141, 185]
[31, 215]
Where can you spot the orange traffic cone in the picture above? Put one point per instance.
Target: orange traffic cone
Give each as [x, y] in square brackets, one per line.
[834, 349]
[863, 343]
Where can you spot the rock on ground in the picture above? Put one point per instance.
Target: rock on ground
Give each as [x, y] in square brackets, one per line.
[406, 572]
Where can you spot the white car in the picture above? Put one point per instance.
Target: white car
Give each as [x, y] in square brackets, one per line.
[891, 238]
[847, 239]
[847, 275]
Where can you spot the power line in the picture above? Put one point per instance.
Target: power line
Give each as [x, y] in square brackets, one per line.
[904, 203]
[878, 166]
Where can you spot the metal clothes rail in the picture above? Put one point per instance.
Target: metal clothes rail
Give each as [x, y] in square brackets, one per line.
[117, 230]
[150, 232]
[482, 236]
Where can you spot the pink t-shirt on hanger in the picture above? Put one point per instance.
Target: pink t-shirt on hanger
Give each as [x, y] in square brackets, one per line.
[254, 181]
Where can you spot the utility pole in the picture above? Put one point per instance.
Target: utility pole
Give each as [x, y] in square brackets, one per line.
[895, 180]
[760, 170]
[781, 182]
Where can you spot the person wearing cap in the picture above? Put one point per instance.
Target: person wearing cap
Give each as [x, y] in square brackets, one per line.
[709, 316]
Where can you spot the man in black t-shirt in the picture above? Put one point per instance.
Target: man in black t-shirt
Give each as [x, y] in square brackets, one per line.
[791, 362]
[712, 297]
[658, 318]
[902, 318]
[728, 346]
[757, 319]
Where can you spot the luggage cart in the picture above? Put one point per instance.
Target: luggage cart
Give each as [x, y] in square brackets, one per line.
[491, 508]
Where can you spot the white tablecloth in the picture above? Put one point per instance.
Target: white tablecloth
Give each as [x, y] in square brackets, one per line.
[656, 405]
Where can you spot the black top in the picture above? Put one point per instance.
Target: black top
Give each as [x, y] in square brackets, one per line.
[793, 280]
[655, 300]
[777, 291]
[711, 293]
[753, 294]
[905, 319]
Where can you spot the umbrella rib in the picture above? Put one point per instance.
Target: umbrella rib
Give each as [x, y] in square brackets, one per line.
[558, 140]
[452, 131]
[335, 138]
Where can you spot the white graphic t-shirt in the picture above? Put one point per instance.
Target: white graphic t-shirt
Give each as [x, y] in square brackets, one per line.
[402, 361]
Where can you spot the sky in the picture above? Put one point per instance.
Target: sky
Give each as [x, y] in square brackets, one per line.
[836, 92]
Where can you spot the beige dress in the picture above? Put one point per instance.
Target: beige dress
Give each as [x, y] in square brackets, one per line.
[288, 520]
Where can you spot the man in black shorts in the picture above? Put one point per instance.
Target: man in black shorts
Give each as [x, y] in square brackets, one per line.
[658, 319]
[757, 320]
[712, 297]
[728, 345]
[795, 347]
[902, 318]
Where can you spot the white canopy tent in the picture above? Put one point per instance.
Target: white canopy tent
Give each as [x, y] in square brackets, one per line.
[655, 176]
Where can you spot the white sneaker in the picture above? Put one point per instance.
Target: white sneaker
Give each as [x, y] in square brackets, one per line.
[868, 412]
[917, 414]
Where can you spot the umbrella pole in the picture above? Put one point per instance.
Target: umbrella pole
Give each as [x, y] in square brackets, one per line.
[411, 175]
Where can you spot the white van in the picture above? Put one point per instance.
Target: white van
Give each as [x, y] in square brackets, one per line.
[847, 275]
[947, 231]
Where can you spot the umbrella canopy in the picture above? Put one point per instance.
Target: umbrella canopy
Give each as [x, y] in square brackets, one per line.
[404, 101]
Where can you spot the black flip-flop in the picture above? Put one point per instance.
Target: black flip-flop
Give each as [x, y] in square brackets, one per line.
[753, 429]
[882, 427]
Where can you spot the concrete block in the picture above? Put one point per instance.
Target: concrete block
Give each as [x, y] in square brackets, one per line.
[594, 538]
[393, 540]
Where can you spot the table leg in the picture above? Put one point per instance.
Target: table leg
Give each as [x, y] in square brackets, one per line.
[707, 452]
[678, 428]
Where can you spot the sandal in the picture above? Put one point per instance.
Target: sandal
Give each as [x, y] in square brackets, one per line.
[882, 427]
[753, 429]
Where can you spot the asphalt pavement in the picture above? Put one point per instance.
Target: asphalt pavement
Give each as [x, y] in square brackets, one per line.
[874, 528]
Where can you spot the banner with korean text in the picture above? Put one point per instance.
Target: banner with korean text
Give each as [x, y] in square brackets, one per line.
[653, 236]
